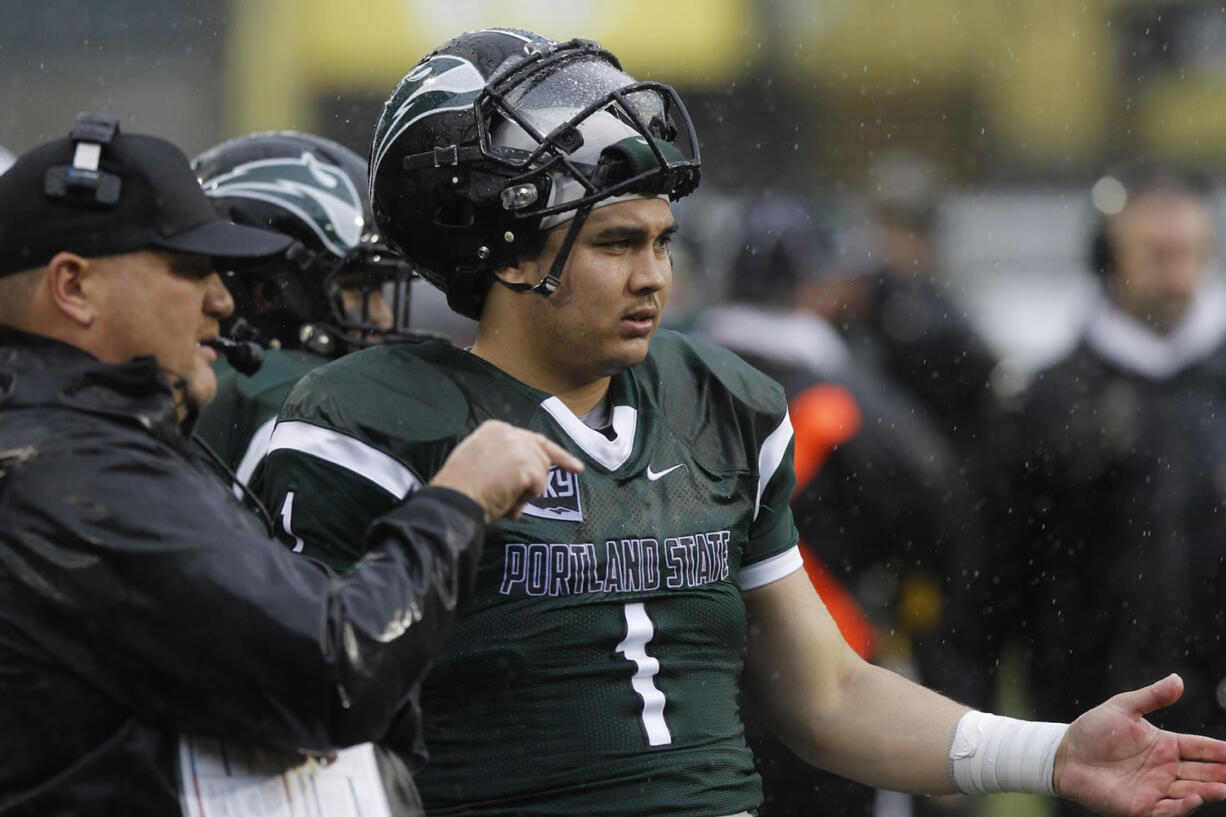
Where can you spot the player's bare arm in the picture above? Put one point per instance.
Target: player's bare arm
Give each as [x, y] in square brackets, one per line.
[836, 710]
[843, 714]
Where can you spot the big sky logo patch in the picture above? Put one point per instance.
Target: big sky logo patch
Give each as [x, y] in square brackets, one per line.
[560, 500]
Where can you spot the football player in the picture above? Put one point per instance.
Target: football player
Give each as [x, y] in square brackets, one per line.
[594, 669]
[336, 289]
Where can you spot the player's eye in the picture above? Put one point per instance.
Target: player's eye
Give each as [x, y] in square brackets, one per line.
[665, 242]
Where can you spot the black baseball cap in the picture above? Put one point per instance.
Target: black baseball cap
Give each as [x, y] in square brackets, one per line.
[102, 192]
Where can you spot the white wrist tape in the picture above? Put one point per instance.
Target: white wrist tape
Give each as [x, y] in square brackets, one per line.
[991, 754]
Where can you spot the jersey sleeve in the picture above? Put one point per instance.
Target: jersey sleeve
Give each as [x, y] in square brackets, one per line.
[772, 552]
[324, 488]
[323, 479]
[759, 410]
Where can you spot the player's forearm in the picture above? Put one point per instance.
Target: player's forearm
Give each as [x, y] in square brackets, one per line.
[888, 732]
[834, 709]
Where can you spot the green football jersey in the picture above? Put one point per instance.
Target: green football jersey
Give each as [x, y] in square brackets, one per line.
[594, 668]
[237, 423]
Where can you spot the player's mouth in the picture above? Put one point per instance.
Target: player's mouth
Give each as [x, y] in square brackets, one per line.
[641, 322]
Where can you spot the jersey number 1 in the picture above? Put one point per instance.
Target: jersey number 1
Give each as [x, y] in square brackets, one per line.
[639, 632]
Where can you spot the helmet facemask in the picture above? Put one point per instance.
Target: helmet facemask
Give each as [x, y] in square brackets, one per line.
[621, 143]
[557, 129]
[574, 116]
[365, 271]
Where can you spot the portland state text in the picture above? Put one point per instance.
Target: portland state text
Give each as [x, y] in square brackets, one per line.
[629, 565]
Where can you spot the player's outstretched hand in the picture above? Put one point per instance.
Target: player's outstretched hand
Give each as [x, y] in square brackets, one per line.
[502, 467]
[1114, 761]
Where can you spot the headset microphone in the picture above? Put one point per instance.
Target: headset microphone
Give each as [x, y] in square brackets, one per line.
[244, 355]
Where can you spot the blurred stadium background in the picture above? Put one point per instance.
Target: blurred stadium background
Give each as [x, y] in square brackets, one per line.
[1021, 101]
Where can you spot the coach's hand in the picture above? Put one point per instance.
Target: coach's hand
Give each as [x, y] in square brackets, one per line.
[503, 467]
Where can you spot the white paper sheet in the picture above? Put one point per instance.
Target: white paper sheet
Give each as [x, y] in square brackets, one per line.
[222, 779]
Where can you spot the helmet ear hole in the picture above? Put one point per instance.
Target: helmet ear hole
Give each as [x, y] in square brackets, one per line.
[454, 213]
[265, 294]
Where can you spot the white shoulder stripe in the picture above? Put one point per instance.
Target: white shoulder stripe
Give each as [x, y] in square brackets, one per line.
[257, 449]
[770, 570]
[773, 449]
[339, 449]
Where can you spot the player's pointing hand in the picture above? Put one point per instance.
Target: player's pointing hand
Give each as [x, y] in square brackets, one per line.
[502, 467]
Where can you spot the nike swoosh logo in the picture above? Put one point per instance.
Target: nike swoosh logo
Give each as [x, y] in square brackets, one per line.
[652, 476]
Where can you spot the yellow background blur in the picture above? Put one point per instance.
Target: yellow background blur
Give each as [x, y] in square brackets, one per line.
[991, 86]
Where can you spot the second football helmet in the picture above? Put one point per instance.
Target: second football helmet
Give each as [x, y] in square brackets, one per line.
[501, 134]
[320, 293]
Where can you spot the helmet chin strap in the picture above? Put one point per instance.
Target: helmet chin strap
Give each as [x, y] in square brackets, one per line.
[547, 285]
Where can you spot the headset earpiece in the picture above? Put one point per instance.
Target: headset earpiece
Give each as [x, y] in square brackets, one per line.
[1102, 251]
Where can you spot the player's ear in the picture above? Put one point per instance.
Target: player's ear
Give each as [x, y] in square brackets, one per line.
[522, 272]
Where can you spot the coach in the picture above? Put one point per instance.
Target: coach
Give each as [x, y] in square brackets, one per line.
[140, 604]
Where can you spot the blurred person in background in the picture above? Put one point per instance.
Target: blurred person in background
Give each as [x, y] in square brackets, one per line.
[335, 289]
[702, 252]
[901, 320]
[1117, 508]
[899, 315]
[878, 493]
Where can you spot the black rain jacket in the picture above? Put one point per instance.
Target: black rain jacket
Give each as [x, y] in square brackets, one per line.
[140, 601]
[1116, 528]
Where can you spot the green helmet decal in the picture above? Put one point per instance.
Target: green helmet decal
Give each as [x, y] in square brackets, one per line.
[321, 195]
[441, 83]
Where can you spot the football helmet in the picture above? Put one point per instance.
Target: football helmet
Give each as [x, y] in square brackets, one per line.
[500, 135]
[319, 294]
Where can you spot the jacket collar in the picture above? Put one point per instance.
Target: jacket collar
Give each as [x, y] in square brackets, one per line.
[1133, 346]
[788, 336]
[40, 372]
